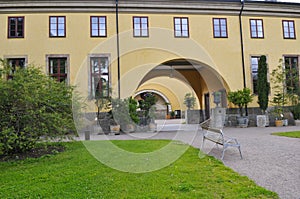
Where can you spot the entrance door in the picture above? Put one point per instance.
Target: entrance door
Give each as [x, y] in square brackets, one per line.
[207, 106]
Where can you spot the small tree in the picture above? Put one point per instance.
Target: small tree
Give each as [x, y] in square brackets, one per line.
[148, 100]
[240, 98]
[189, 100]
[278, 79]
[263, 87]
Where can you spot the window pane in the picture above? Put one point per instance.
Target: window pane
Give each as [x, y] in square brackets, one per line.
[94, 20]
[61, 20]
[61, 26]
[136, 20]
[144, 33]
[102, 33]
[144, 26]
[184, 21]
[224, 34]
[61, 33]
[137, 33]
[53, 33]
[259, 22]
[53, 20]
[216, 22]
[185, 33]
[177, 33]
[184, 27]
[144, 20]
[177, 21]
[177, 27]
[102, 20]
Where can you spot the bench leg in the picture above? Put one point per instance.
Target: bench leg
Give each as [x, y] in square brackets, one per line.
[240, 152]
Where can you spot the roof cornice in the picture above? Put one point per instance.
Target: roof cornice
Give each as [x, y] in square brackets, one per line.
[214, 7]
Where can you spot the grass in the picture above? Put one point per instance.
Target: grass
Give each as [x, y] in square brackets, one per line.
[76, 174]
[292, 134]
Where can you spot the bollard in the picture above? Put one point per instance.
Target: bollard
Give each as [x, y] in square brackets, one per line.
[87, 135]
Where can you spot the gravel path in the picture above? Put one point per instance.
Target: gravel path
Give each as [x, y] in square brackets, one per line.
[271, 161]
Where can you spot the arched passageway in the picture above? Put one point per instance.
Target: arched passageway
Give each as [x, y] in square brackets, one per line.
[174, 78]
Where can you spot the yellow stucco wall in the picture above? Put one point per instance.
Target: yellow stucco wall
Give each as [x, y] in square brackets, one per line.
[219, 59]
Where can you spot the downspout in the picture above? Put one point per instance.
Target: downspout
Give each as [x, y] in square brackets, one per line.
[242, 49]
[118, 48]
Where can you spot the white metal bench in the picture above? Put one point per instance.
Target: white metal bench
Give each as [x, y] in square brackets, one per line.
[217, 136]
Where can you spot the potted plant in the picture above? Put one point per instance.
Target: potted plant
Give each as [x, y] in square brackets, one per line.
[241, 98]
[124, 113]
[189, 100]
[263, 90]
[296, 113]
[147, 106]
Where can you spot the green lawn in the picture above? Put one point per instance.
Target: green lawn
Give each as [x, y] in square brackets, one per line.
[292, 134]
[76, 174]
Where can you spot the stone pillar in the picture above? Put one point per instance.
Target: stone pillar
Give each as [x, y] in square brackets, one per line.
[218, 115]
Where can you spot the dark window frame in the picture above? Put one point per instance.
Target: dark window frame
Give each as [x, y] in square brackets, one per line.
[290, 69]
[289, 29]
[99, 26]
[256, 29]
[140, 26]
[253, 80]
[220, 28]
[14, 63]
[59, 76]
[57, 25]
[9, 35]
[181, 30]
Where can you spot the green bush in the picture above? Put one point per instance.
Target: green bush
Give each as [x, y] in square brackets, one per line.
[33, 106]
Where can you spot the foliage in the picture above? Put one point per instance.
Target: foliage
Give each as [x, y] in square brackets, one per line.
[263, 87]
[189, 100]
[296, 111]
[286, 91]
[188, 177]
[292, 134]
[124, 111]
[148, 100]
[133, 106]
[33, 106]
[240, 98]
[278, 79]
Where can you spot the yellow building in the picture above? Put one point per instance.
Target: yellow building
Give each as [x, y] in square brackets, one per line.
[169, 47]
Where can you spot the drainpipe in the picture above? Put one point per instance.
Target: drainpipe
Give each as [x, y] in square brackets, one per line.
[242, 48]
[118, 48]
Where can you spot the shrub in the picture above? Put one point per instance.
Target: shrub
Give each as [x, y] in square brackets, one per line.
[33, 106]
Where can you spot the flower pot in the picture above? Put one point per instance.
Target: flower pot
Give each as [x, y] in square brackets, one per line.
[152, 127]
[278, 123]
[114, 129]
[261, 120]
[128, 128]
[242, 121]
[285, 122]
